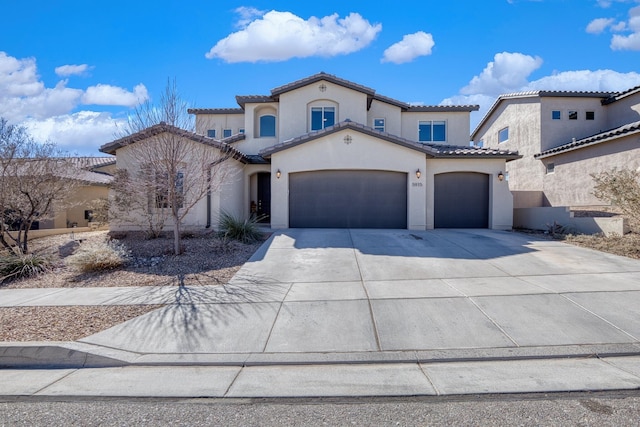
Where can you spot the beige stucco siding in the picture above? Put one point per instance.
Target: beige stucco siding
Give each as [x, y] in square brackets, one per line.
[228, 194]
[364, 153]
[253, 143]
[457, 125]
[500, 198]
[295, 105]
[219, 122]
[391, 114]
[559, 132]
[522, 117]
[570, 184]
[625, 110]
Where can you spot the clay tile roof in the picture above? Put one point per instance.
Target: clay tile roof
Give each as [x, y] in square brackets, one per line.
[432, 150]
[215, 111]
[442, 108]
[253, 99]
[619, 132]
[112, 147]
[617, 96]
[316, 78]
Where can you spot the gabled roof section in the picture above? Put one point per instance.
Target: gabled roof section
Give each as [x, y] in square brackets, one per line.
[275, 93]
[610, 135]
[620, 95]
[387, 100]
[215, 111]
[442, 108]
[537, 94]
[111, 147]
[253, 99]
[431, 150]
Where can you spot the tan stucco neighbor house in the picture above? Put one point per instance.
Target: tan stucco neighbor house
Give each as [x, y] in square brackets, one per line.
[563, 137]
[329, 153]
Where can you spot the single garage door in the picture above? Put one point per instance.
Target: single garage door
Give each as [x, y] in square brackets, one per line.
[461, 200]
[348, 199]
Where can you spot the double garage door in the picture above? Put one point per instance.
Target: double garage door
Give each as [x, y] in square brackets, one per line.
[378, 199]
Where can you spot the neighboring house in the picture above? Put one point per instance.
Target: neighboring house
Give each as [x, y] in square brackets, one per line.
[563, 138]
[95, 175]
[327, 152]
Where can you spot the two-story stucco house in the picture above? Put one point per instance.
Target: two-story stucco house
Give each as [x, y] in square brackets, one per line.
[563, 137]
[327, 152]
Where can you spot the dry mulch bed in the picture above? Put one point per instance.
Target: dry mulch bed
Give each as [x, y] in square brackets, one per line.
[206, 260]
[627, 245]
[67, 323]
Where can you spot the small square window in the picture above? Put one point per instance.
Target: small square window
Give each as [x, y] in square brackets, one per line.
[503, 134]
[211, 133]
[590, 115]
[551, 167]
[88, 215]
[241, 131]
[556, 115]
[226, 133]
[378, 124]
[573, 115]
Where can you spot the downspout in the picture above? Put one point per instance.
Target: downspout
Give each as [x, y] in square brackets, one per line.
[208, 198]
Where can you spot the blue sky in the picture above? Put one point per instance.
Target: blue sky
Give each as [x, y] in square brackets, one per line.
[71, 71]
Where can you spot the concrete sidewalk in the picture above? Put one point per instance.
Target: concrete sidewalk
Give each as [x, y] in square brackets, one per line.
[362, 312]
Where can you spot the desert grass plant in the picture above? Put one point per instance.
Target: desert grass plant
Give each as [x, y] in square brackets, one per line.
[99, 256]
[242, 230]
[17, 266]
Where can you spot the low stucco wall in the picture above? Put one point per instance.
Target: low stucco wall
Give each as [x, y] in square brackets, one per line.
[543, 218]
[36, 234]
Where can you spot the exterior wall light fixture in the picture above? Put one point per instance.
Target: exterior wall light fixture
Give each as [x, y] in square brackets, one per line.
[278, 174]
[500, 176]
[418, 174]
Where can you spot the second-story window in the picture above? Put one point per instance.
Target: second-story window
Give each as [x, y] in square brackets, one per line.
[211, 133]
[503, 134]
[322, 117]
[378, 124]
[432, 131]
[226, 133]
[267, 126]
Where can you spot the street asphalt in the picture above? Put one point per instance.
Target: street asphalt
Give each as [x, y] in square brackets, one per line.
[319, 313]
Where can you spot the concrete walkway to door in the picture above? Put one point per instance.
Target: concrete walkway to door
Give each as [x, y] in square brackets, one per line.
[370, 312]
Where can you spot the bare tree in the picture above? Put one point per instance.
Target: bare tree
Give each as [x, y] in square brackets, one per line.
[621, 188]
[34, 179]
[172, 169]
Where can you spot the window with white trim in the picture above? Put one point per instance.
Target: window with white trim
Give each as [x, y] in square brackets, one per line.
[226, 133]
[322, 117]
[590, 115]
[432, 131]
[556, 115]
[241, 131]
[551, 167]
[211, 133]
[379, 124]
[573, 115]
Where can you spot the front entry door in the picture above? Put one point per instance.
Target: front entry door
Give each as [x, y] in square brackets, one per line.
[264, 196]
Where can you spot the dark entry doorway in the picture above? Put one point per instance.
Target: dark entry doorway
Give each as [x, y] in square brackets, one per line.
[264, 197]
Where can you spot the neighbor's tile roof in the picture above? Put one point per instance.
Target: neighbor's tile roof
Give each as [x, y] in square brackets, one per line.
[622, 131]
[442, 108]
[433, 150]
[111, 147]
[617, 96]
[253, 99]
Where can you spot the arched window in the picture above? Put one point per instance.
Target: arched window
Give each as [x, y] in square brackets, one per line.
[267, 125]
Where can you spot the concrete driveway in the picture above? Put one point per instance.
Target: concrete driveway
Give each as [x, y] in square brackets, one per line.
[375, 295]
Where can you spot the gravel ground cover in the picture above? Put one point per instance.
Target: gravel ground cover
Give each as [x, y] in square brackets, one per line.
[206, 260]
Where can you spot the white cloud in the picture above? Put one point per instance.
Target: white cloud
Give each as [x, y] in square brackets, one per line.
[509, 72]
[279, 36]
[79, 133]
[247, 14]
[102, 94]
[620, 41]
[598, 25]
[411, 47]
[506, 73]
[72, 70]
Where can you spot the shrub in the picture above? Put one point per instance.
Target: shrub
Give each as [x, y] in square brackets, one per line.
[99, 256]
[18, 266]
[245, 231]
[621, 188]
